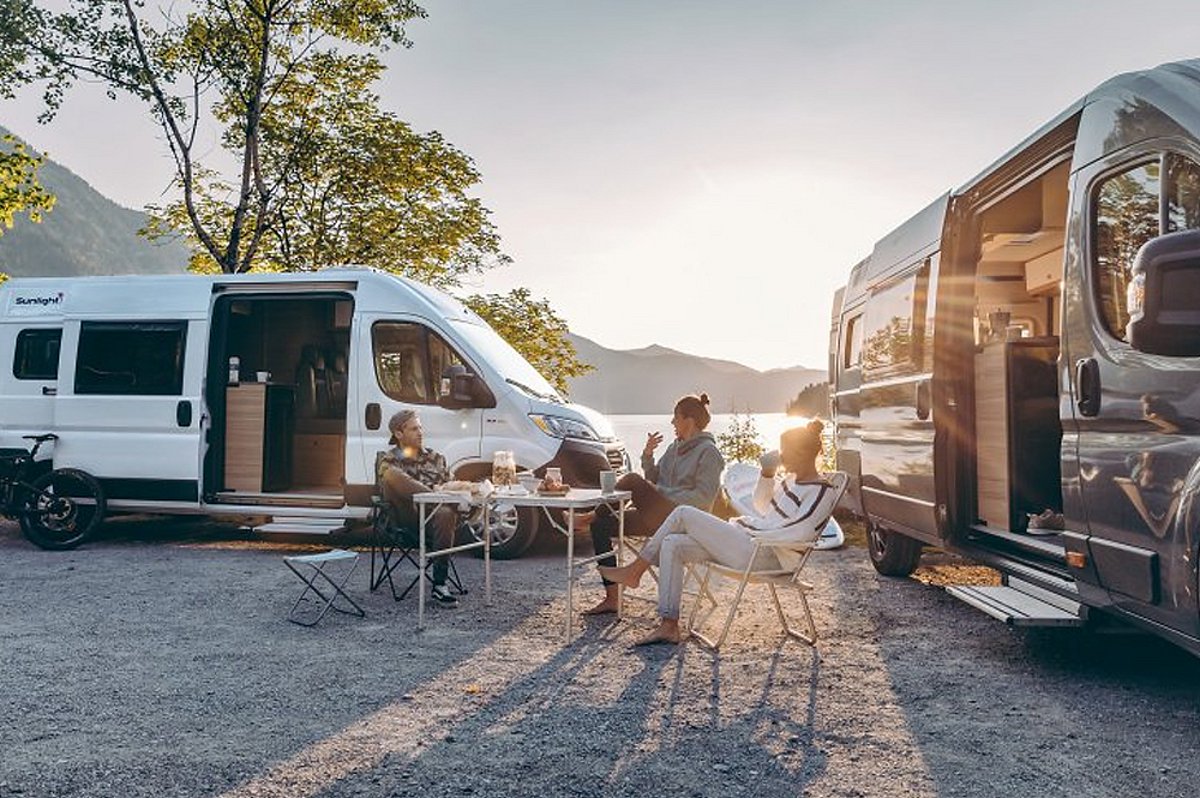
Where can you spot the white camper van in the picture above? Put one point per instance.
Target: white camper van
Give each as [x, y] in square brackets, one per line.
[269, 394]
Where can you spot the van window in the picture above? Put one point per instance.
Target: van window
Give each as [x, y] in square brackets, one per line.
[1130, 209]
[852, 343]
[1126, 216]
[1183, 194]
[138, 358]
[408, 359]
[888, 340]
[36, 357]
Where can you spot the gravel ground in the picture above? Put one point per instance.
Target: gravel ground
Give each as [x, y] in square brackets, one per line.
[156, 661]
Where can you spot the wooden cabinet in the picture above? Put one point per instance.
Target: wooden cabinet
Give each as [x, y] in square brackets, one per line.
[1018, 433]
[318, 460]
[258, 437]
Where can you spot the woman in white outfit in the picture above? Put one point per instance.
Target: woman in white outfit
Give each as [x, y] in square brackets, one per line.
[690, 535]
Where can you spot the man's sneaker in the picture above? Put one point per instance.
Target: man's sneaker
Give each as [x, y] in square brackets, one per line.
[442, 595]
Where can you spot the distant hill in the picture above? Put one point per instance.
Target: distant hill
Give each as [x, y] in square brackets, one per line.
[651, 380]
[86, 233]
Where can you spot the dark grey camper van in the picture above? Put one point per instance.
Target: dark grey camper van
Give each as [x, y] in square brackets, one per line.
[1016, 369]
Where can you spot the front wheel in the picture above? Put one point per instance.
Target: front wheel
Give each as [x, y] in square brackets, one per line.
[892, 554]
[513, 530]
[63, 507]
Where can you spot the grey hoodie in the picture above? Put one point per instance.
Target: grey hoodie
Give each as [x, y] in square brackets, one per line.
[689, 471]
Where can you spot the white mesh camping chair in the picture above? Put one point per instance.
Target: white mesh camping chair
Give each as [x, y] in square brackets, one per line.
[792, 546]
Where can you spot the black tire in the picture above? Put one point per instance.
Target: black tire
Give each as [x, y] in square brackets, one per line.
[892, 554]
[64, 507]
[512, 533]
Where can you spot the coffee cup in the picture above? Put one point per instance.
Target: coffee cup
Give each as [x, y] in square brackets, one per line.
[608, 481]
[262, 376]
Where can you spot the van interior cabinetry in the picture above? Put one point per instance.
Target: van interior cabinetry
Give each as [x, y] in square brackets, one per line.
[1017, 430]
[258, 437]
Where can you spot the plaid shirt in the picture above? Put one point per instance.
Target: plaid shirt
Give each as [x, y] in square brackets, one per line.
[426, 466]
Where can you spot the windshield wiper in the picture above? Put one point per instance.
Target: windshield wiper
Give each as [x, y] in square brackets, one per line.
[549, 397]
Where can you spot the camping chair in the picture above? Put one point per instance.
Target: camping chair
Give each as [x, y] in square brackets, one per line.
[792, 546]
[738, 483]
[393, 544]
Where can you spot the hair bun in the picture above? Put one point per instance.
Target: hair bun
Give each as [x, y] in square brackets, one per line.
[704, 399]
[816, 426]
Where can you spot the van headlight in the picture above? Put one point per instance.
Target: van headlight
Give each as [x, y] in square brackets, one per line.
[559, 427]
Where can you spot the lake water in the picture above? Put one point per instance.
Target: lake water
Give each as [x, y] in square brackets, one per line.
[633, 429]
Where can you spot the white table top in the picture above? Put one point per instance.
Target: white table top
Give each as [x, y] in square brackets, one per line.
[574, 498]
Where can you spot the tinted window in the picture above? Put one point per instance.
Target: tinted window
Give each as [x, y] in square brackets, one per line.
[36, 357]
[409, 359]
[1127, 216]
[1183, 194]
[143, 359]
[888, 340]
[852, 345]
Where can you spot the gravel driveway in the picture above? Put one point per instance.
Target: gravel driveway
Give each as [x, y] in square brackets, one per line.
[157, 662]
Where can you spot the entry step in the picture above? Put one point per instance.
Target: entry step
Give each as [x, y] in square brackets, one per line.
[1021, 604]
[301, 526]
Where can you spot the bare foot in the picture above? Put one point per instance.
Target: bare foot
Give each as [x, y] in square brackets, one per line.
[667, 632]
[625, 575]
[605, 607]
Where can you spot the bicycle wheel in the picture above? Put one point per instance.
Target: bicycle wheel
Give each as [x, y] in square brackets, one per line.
[62, 508]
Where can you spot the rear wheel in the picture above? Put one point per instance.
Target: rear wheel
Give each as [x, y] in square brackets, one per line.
[62, 509]
[892, 554]
[513, 530]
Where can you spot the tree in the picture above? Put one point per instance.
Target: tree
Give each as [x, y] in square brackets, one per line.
[534, 330]
[740, 443]
[230, 59]
[324, 176]
[20, 190]
[812, 401]
[352, 184]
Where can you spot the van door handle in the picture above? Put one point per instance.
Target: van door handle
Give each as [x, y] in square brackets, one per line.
[1087, 385]
[374, 415]
[923, 400]
[49, 390]
[183, 413]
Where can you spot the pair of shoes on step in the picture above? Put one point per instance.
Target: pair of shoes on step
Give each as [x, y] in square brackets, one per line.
[442, 596]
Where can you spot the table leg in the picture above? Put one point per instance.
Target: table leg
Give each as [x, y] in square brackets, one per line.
[620, 555]
[421, 569]
[570, 571]
[487, 553]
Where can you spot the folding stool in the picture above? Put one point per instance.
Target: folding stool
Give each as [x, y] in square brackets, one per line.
[310, 568]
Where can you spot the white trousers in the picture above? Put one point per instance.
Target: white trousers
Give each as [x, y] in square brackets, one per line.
[688, 536]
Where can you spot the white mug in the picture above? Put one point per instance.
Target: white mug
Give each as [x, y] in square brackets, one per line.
[262, 376]
[608, 481]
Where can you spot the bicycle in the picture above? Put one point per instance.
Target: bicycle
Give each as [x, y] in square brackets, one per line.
[58, 509]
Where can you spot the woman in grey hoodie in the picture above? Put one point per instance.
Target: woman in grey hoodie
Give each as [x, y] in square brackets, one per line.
[689, 473]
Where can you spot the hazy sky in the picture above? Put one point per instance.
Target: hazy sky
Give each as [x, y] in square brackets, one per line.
[703, 174]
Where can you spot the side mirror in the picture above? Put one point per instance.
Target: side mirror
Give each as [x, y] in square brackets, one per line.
[1163, 297]
[460, 388]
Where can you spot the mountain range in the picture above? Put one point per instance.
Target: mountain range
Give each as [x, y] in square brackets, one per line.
[87, 233]
[651, 380]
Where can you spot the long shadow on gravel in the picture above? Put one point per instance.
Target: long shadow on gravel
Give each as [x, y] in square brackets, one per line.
[994, 711]
[157, 661]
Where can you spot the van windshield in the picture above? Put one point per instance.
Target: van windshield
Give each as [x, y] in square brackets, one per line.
[507, 361]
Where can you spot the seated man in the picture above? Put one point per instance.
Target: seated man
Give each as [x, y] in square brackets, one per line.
[690, 535]
[410, 468]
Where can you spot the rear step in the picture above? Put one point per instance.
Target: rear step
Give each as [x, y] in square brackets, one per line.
[1019, 603]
